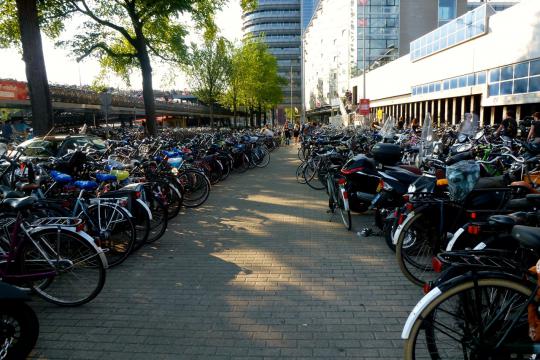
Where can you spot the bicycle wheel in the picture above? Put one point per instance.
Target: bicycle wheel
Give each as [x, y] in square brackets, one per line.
[173, 196]
[262, 157]
[112, 229]
[79, 266]
[416, 247]
[196, 188]
[142, 224]
[313, 181]
[19, 326]
[159, 221]
[468, 320]
[300, 173]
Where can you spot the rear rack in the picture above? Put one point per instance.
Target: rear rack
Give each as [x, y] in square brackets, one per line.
[57, 221]
[481, 259]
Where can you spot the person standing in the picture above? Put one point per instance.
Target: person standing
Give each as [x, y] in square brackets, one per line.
[508, 126]
[534, 132]
[296, 133]
[7, 130]
[287, 133]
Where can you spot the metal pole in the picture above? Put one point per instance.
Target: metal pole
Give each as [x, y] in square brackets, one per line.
[364, 49]
[291, 94]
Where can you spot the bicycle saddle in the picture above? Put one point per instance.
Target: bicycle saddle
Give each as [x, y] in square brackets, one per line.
[527, 236]
[105, 177]
[61, 177]
[19, 204]
[86, 185]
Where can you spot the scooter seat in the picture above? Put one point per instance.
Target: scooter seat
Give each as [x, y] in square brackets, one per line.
[508, 220]
[61, 177]
[527, 236]
[404, 176]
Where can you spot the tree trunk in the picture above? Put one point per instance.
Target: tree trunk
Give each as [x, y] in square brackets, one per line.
[211, 115]
[148, 88]
[36, 74]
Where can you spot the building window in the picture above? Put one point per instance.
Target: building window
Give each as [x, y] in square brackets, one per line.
[447, 10]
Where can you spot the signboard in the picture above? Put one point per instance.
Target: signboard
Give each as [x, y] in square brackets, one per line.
[363, 109]
[380, 114]
[13, 90]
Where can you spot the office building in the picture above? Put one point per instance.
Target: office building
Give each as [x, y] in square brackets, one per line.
[497, 5]
[308, 9]
[495, 66]
[279, 21]
[333, 44]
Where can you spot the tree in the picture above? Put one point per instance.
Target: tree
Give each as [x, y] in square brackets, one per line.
[20, 22]
[232, 96]
[126, 34]
[208, 68]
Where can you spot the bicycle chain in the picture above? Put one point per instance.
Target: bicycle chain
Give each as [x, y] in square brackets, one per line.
[5, 348]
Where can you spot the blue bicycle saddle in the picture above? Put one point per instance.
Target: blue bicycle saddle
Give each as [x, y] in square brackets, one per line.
[86, 185]
[61, 177]
[105, 177]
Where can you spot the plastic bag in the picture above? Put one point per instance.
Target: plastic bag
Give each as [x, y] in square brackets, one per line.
[462, 178]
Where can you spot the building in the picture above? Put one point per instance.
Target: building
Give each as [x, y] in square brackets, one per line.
[333, 42]
[308, 9]
[497, 5]
[495, 66]
[279, 21]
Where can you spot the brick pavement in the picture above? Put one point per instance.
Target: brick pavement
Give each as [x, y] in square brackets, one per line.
[257, 273]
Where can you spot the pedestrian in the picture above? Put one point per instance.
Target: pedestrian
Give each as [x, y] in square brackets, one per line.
[296, 133]
[534, 133]
[508, 126]
[287, 133]
[267, 132]
[415, 124]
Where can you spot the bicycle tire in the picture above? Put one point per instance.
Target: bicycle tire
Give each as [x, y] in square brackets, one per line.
[196, 188]
[18, 317]
[464, 291]
[159, 222]
[116, 234]
[414, 254]
[345, 214]
[300, 173]
[75, 251]
[265, 159]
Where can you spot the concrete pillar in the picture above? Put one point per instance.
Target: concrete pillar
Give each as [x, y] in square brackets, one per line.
[492, 116]
[421, 113]
[462, 107]
[434, 113]
[504, 112]
[445, 113]
[439, 103]
[481, 116]
[471, 107]
[518, 112]
[454, 109]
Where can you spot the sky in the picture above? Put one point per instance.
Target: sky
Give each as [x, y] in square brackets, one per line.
[63, 69]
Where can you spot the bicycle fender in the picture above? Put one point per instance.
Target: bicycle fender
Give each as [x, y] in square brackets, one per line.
[400, 227]
[345, 198]
[454, 239]
[418, 309]
[145, 208]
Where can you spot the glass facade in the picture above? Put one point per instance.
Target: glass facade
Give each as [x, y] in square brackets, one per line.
[379, 21]
[472, 79]
[308, 9]
[279, 21]
[518, 78]
[447, 11]
[465, 27]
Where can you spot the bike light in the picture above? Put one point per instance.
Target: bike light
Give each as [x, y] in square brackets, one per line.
[473, 229]
[138, 194]
[409, 207]
[437, 264]
[427, 287]
[473, 215]
[342, 181]
[406, 198]
[380, 186]
[442, 182]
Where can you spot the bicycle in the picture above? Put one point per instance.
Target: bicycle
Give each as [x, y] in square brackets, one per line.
[53, 256]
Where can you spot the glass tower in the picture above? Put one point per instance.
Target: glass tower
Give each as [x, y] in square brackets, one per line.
[308, 9]
[279, 21]
[379, 19]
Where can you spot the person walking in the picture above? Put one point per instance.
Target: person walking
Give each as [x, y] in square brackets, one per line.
[7, 130]
[296, 133]
[287, 133]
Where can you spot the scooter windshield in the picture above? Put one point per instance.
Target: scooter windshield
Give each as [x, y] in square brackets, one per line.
[389, 128]
[427, 139]
[469, 124]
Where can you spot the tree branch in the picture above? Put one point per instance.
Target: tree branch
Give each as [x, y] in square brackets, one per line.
[105, 48]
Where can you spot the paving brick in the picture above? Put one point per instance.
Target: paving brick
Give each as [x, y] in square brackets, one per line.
[258, 272]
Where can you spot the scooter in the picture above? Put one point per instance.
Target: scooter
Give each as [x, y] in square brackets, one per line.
[19, 325]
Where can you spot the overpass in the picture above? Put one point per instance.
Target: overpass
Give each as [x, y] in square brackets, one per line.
[66, 99]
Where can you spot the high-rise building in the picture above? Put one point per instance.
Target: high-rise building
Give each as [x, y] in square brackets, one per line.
[308, 9]
[279, 22]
